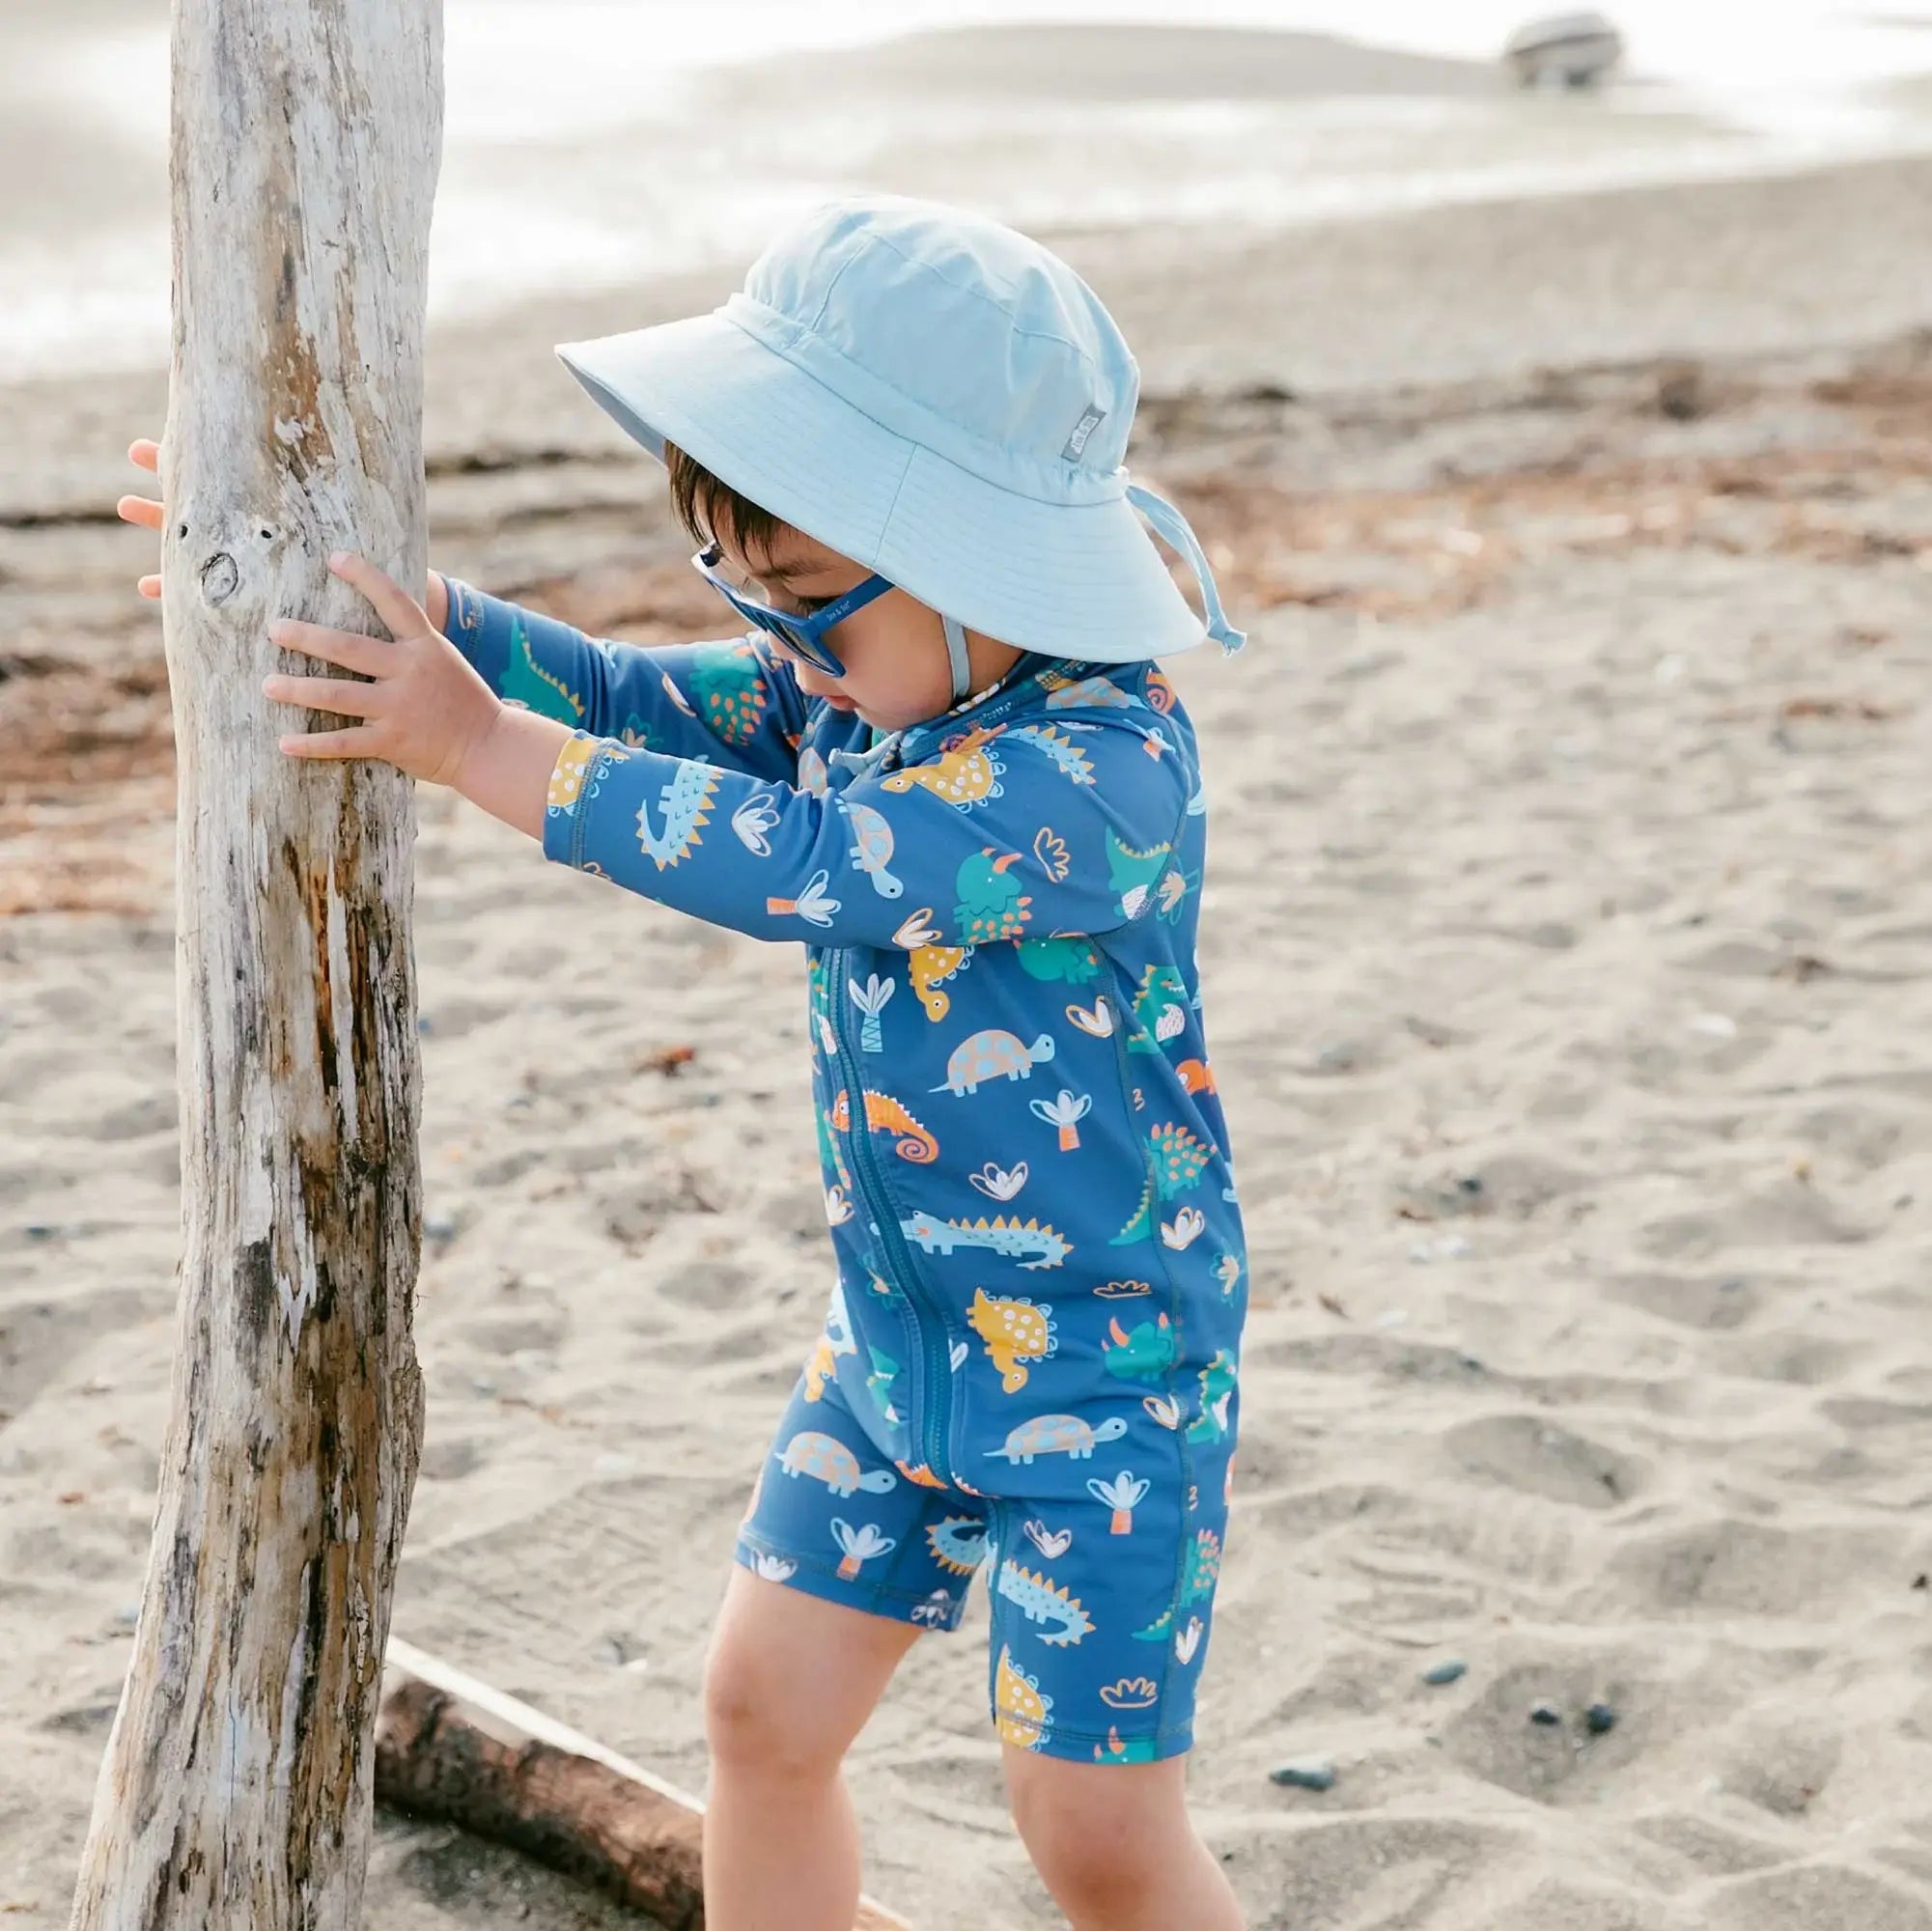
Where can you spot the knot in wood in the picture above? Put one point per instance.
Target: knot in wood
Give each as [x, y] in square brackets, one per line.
[219, 576]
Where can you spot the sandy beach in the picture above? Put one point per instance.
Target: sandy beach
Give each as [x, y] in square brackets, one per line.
[1569, 970]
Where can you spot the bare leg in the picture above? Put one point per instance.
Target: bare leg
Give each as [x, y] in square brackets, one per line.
[790, 1681]
[1113, 1844]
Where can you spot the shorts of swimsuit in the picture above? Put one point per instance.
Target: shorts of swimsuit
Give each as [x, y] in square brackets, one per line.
[1102, 1545]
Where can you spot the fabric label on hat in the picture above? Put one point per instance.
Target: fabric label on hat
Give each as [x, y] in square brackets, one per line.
[1082, 430]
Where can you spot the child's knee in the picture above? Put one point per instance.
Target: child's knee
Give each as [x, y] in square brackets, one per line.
[755, 1720]
[1100, 1835]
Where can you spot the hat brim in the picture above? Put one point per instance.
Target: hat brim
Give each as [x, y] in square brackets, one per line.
[1071, 580]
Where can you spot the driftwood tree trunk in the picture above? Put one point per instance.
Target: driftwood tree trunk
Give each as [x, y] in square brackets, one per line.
[237, 1787]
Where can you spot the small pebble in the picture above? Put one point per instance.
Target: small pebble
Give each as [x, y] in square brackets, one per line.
[439, 1226]
[423, 1022]
[1338, 1055]
[1451, 1670]
[1714, 1025]
[41, 1230]
[1545, 1712]
[1600, 1718]
[1305, 1772]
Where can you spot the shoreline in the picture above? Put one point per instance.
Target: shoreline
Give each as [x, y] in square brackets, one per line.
[1826, 259]
[653, 156]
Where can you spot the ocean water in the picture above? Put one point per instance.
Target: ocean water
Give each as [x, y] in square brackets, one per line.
[592, 143]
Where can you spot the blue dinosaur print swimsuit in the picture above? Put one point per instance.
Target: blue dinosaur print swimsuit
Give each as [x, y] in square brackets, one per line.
[1029, 1359]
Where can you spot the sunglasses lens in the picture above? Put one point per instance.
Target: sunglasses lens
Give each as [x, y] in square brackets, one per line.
[768, 621]
[805, 646]
[800, 642]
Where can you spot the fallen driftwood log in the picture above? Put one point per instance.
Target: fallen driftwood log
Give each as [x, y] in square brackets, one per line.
[450, 1747]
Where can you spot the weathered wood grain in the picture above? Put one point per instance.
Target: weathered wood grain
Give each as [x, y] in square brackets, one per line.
[236, 1789]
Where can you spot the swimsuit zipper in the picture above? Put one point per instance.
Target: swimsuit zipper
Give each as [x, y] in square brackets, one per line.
[934, 1339]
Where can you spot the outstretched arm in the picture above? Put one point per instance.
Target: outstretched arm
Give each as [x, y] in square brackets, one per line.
[731, 703]
[1025, 832]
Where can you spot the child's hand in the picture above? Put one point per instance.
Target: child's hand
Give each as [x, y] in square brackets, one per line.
[144, 511]
[425, 710]
[149, 514]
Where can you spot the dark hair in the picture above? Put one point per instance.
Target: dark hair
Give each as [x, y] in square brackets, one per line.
[710, 509]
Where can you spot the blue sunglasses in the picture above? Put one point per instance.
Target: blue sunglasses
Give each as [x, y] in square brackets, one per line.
[802, 635]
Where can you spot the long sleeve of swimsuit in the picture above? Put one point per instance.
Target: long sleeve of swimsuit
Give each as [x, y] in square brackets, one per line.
[729, 704]
[1031, 829]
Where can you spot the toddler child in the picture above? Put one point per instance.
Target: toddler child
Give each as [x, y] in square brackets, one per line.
[942, 758]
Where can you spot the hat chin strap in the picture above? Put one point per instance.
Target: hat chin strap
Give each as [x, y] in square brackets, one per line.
[1169, 522]
[956, 658]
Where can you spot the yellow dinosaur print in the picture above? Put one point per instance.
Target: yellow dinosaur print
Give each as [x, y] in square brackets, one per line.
[1021, 1711]
[885, 1115]
[1015, 1333]
[966, 774]
[930, 967]
[567, 778]
[820, 1368]
[928, 964]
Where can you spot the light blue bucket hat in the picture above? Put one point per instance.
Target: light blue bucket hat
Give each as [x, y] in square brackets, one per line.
[940, 398]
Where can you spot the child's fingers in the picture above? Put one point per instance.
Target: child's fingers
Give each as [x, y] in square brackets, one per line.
[149, 586]
[359, 743]
[340, 695]
[393, 604]
[145, 453]
[141, 510]
[373, 656]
